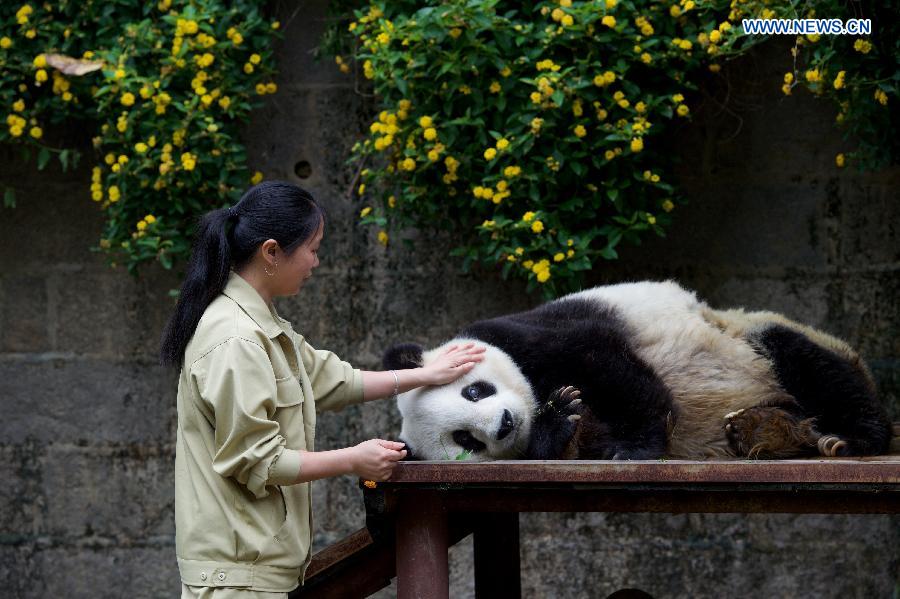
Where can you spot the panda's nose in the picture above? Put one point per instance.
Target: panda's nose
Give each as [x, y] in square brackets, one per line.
[506, 425]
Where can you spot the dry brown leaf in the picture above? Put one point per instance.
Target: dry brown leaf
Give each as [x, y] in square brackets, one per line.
[73, 66]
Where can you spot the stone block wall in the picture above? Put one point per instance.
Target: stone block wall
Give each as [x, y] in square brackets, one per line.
[88, 417]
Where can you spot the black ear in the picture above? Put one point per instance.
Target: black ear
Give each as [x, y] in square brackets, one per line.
[402, 356]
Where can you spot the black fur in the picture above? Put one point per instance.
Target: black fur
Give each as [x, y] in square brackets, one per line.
[402, 356]
[826, 387]
[575, 342]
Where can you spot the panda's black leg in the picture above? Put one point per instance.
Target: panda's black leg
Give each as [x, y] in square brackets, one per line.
[555, 424]
[828, 388]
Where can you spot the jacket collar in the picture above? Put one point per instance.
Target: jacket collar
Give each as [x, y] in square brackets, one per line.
[245, 296]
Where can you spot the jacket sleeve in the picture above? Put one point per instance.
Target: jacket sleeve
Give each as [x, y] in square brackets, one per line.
[335, 383]
[237, 382]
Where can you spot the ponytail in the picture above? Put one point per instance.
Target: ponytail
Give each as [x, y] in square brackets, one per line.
[207, 273]
[228, 238]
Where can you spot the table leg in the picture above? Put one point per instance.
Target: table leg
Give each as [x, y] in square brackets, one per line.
[422, 570]
[496, 548]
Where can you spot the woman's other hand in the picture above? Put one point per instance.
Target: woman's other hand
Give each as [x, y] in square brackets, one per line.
[375, 459]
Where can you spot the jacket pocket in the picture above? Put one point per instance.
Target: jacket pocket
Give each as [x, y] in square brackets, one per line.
[288, 392]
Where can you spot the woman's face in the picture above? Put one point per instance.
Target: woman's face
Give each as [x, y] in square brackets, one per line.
[294, 270]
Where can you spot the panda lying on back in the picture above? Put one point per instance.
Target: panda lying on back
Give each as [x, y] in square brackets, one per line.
[641, 371]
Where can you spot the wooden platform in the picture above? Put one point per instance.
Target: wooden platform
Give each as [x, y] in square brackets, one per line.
[428, 506]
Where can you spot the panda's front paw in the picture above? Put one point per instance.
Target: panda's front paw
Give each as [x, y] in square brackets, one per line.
[565, 402]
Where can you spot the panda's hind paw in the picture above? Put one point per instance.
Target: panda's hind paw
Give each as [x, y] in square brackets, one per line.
[832, 446]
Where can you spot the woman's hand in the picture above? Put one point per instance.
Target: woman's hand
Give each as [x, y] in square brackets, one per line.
[456, 361]
[375, 459]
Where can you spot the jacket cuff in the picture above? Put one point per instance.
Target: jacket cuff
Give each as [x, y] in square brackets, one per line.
[356, 387]
[285, 470]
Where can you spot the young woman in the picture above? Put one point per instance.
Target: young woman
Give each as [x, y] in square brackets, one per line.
[248, 394]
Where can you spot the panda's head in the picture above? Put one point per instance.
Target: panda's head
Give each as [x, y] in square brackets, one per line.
[487, 412]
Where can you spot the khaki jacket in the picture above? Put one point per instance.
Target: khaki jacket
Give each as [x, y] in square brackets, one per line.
[247, 399]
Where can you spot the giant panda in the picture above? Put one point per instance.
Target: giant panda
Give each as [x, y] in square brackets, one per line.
[639, 371]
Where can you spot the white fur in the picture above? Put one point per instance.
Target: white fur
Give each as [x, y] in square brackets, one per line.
[432, 414]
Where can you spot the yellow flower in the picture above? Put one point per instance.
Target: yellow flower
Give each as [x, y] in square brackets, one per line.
[455, 32]
[668, 205]
[40, 75]
[383, 238]
[839, 160]
[127, 99]
[812, 75]
[19, 105]
[150, 219]
[40, 61]
[114, 193]
[559, 257]
[425, 122]
[609, 154]
[188, 161]
[36, 132]
[140, 147]
[543, 276]
[495, 87]
[276, 24]
[225, 102]
[362, 189]
[383, 38]
[646, 58]
[567, 21]
[237, 39]
[675, 11]
[537, 226]
[409, 164]
[123, 159]
[637, 144]
[502, 143]
[609, 21]
[261, 88]
[392, 201]
[863, 46]
[715, 36]
[651, 219]
[490, 154]
[248, 68]
[5, 42]
[683, 110]
[580, 131]
[839, 80]
[512, 171]
[430, 134]
[120, 74]
[536, 97]
[365, 211]
[528, 216]
[881, 96]
[141, 225]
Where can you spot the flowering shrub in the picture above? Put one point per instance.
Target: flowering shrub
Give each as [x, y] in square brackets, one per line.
[535, 126]
[162, 88]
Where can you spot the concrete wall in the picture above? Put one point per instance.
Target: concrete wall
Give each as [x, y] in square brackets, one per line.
[87, 428]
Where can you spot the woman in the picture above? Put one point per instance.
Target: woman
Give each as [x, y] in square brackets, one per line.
[248, 394]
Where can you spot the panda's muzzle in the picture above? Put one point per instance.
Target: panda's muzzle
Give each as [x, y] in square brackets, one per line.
[506, 425]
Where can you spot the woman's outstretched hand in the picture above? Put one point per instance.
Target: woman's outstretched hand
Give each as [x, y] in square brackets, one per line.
[456, 361]
[375, 459]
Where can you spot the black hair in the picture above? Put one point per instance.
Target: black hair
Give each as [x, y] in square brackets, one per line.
[228, 238]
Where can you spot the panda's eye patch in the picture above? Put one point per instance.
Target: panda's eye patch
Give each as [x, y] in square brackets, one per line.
[478, 390]
[465, 440]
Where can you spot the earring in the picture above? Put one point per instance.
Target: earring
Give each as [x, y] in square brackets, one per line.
[273, 270]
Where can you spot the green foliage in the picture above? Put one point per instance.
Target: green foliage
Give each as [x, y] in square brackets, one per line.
[162, 88]
[533, 129]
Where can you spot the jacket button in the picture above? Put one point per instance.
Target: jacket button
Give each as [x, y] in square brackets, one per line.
[221, 575]
[202, 575]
